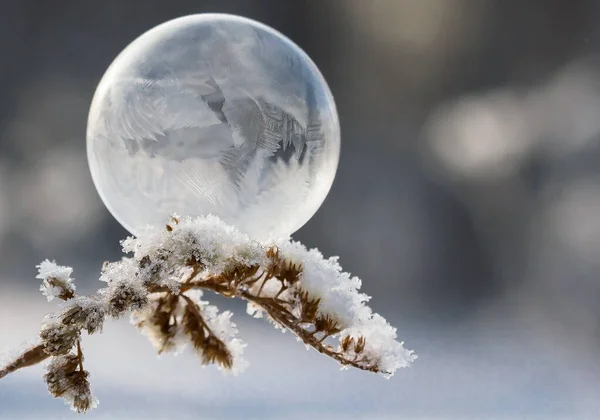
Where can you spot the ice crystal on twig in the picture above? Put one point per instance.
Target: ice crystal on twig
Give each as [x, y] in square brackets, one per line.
[56, 280]
[161, 285]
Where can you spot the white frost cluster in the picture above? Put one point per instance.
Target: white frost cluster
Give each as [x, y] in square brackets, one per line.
[125, 290]
[208, 239]
[55, 279]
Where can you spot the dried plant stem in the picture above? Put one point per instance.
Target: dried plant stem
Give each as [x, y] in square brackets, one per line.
[80, 356]
[31, 357]
[227, 287]
[309, 338]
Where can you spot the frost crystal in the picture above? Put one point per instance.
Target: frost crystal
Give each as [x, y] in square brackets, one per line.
[56, 280]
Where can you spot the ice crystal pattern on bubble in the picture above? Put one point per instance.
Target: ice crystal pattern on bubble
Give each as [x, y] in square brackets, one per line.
[214, 114]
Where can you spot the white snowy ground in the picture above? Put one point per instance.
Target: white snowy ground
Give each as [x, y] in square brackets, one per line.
[487, 371]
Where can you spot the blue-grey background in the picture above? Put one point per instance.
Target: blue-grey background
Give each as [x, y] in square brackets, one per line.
[467, 199]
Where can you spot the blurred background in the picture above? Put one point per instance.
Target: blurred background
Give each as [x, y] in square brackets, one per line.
[467, 199]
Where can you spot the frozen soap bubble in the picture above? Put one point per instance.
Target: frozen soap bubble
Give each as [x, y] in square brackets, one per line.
[213, 114]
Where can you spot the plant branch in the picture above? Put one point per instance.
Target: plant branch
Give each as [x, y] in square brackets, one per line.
[277, 311]
[298, 289]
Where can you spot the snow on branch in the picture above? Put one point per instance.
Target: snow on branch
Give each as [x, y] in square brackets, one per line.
[56, 280]
[161, 286]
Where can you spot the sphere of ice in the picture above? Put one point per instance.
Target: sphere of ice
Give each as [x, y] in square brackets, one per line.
[213, 114]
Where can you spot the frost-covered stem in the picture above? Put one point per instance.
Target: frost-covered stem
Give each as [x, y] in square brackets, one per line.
[308, 338]
[311, 340]
[275, 309]
[31, 357]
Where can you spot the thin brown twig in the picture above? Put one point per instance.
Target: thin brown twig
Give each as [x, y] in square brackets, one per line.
[80, 356]
[282, 315]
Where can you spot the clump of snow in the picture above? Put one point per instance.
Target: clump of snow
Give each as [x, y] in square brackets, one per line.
[324, 279]
[340, 298]
[206, 239]
[56, 279]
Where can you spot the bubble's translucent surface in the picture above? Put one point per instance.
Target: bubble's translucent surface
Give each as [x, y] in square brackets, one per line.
[213, 114]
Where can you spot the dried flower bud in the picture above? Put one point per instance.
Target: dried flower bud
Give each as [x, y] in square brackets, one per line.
[91, 315]
[86, 313]
[150, 271]
[122, 297]
[209, 348]
[57, 337]
[58, 369]
[66, 379]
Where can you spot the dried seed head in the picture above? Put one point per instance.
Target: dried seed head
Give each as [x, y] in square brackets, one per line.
[60, 368]
[193, 327]
[123, 296]
[150, 271]
[210, 348]
[309, 306]
[326, 324]
[360, 345]
[346, 343]
[66, 380]
[215, 351]
[92, 314]
[57, 337]
[288, 272]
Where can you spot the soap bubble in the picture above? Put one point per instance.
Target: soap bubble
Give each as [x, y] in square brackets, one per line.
[213, 114]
